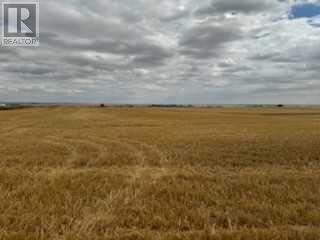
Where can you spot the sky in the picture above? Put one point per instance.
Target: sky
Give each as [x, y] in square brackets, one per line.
[169, 52]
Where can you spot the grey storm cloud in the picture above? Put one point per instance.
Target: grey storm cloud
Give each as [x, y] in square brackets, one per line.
[170, 51]
[137, 49]
[243, 6]
[34, 69]
[207, 40]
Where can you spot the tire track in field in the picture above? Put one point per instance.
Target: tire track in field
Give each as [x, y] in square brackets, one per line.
[72, 150]
[16, 129]
[140, 154]
[161, 156]
[143, 150]
[101, 147]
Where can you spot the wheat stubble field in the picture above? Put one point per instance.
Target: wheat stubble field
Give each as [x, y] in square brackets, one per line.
[157, 173]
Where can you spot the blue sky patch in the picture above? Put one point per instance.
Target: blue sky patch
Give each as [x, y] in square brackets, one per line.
[304, 10]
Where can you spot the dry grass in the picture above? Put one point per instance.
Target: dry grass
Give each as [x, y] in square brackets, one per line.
[117, 173]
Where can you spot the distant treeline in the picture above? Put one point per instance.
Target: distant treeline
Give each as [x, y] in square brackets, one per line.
[187, 106]
[12, 107]
[22, 106]
[170, 106]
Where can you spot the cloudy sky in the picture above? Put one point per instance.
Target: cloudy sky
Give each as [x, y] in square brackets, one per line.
[169, 51]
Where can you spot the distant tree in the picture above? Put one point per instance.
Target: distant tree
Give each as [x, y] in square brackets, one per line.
[102, 105]
[280, 105]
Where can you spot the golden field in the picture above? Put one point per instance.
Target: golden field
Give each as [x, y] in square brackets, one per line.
[160, 173]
